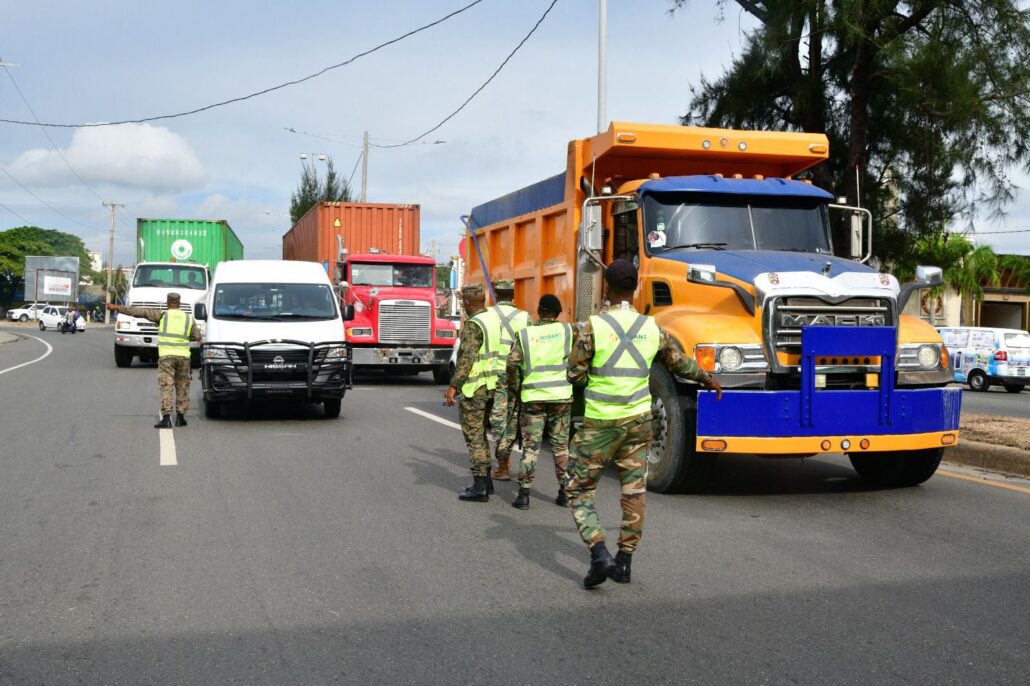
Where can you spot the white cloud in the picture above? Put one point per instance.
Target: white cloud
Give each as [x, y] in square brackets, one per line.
[131, 156]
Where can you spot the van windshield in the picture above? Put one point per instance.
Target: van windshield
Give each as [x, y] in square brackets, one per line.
[1017, 340]
[169, 276]
[274, 301]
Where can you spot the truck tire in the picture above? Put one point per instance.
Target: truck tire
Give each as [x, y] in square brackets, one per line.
[674, 465]
[1014, 387]
[897, 469]
[212, 409]
[123, 356]
[978, 381]
[442, 374]
[332, 407]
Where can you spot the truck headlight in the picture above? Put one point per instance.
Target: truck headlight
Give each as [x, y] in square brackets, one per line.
[341, 353]
[446, 333]
[359, 331]
[216, 355]
[730, 358]
[929, 356]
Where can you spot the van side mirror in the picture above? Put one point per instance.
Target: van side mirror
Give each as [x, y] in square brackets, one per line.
[200, 312]
[348, 312]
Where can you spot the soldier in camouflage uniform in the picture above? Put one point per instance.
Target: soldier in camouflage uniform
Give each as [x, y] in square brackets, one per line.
[505, 411]
[538, 358]
[175, 331]
[612, 357]
[475, 378]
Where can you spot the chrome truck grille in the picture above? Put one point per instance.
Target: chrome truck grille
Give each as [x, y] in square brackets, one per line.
[151, 327]
[405, 321]
[788, 316]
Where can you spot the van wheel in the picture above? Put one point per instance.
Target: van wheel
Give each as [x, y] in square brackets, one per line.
[332, 408]
[442, 374]
[673, 463]
[978, 381]
[1014, 387]
[123, 356]
[897, 468]
[212, 409]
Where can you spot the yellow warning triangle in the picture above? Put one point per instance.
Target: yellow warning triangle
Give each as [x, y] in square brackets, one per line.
[337, 223]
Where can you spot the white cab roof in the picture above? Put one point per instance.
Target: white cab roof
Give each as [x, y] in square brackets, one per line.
[270, 271]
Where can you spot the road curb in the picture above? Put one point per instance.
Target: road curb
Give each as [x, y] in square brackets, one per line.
[996, 458]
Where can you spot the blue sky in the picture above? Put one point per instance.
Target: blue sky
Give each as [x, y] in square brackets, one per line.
[106, 60]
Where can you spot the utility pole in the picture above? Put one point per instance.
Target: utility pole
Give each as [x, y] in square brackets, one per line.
[602, 67]
[364, 167]
[110, 258]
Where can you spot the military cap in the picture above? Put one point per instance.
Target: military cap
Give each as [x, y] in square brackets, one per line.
[504, 285]
[550, 303]
[621, 274]
[174, 297]
[472, 290]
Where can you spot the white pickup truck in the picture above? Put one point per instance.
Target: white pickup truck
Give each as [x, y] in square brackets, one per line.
[151, 284]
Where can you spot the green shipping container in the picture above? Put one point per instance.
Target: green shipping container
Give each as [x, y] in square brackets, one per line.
[190, 241]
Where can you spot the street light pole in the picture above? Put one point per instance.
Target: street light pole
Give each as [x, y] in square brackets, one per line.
[364, 167]
[602, 67]
[110, 258]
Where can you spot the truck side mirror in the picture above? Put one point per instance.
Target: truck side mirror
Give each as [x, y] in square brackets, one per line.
[856, 235]
[929, 276]
[200, 312]
[590, 234]
[348, 312]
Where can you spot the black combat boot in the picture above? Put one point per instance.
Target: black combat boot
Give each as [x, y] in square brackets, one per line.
[180, 419]
[165, 423]
[477, 491]
[522, 499]
[561, 499]
[489, 484]
[601, 565]
[620, 574]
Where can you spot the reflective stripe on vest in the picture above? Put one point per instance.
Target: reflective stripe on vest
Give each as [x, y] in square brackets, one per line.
[625, 344]
[545, 348]
[511, 321]
[173, 334]
[484, 371]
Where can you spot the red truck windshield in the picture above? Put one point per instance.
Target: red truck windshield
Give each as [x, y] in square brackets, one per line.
[401, 275]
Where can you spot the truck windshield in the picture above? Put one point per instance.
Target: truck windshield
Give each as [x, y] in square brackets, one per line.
[720, 222]
[273, 301]
[169, 276]
[403, 275]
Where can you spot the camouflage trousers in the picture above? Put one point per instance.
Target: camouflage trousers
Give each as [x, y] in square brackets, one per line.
[552, 419]
[503, 419]
[473, 413]
[173, 378]
[598, 442]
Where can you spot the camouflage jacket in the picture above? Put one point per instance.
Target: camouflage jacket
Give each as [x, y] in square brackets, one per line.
[514, 367]
[468, 352]
[154, 315]
[668, 353]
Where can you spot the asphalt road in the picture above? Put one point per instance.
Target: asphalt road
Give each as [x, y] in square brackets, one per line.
[287, 549]
[997, 401]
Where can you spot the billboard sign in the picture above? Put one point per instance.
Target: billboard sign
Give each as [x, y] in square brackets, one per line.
[57, 286]
[52, 278]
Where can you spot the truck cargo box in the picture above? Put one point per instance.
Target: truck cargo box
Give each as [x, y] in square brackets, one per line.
[192, 241]
[365, 227]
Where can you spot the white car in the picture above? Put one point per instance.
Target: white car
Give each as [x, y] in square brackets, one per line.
[24, 313]
[52, 315]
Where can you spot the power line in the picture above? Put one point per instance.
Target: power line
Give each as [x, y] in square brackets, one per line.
[356, 163]
[256, 93]
[44, 202]
[485, 83]
[27, 222]
[988, 233]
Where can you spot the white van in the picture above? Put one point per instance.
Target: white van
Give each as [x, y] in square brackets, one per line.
[981, 356]
[274, 330]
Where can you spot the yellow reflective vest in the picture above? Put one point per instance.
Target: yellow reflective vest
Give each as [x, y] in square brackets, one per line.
[545, 349]
[173, 334]
[484, 371]
[511, 321]
[625, 344]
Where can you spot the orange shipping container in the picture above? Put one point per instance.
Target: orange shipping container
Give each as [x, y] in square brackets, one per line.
[392, 229]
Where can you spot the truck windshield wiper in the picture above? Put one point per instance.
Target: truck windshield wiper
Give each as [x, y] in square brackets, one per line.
[715, 246]
[290, 315]
[817, 251]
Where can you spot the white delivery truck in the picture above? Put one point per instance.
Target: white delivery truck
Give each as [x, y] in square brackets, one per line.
[274, 329]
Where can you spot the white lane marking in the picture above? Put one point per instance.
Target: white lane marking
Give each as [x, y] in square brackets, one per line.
[49, 349]
[167, 448]
[446, 422]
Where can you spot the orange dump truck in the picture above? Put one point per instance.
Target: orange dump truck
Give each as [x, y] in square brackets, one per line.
[736, 262]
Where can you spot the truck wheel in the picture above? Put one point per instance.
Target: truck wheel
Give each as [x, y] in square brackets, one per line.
[1014, 387]
[123, 356]
[332, 407]
[442, 374]
[674, 464]
[978, 381]
[897, 468]
[212, 409]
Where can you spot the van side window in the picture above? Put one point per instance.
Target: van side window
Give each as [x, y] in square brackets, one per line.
[956, 338]
[982, 339]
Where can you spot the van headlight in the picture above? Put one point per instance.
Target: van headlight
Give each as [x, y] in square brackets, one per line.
[216, 355]
[340, 353]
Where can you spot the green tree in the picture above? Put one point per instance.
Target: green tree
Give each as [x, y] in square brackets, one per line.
[443, 277]
[928, 100]
[17, 243]
[310, 191]
[967, 267]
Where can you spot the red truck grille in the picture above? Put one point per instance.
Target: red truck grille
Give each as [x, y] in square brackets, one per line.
[405, 321]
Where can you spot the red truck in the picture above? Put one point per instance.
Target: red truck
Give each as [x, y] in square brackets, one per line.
[392, 288]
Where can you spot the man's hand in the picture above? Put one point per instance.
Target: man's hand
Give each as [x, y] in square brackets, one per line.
[713, 385]
[448, 396]
[113, 307]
